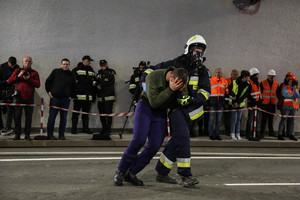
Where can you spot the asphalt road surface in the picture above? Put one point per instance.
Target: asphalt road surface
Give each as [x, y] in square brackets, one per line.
[87, 173]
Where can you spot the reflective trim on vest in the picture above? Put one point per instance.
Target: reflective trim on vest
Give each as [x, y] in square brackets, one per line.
[204, 93]
[235, 89]
[91, 73]
[269, 94]
[255, 91]
[81, 72]
[94, 83]
[165, 161]
[137, 79]
[195, 114]
[132, 86]
[108, 98]
[183, 162]
[83, 97]
[148, 71]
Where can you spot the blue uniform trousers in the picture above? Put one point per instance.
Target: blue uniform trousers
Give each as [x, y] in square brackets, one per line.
[148, 123]
[178, 147]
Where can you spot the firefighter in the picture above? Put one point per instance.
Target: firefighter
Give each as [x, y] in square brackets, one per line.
[181, 118]
[254, 98]
[134, 85]
[106, 97]
[269, 101]
[290, 107]
[85, 93]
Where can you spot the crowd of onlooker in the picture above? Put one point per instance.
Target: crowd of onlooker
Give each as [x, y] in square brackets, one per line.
[84, 86]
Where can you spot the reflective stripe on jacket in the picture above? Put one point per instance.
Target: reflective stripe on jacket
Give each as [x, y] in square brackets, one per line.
[235, 90]
[290, 102]
[219, 91]
[269, 94]
[255, 91]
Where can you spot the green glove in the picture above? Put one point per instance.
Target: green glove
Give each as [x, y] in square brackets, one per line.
[184, 100]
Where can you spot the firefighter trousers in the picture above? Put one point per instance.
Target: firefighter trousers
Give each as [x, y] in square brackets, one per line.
[178, 147]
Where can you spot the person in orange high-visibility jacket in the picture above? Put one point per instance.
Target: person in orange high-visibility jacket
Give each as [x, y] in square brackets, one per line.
[268, 89]
[254, 99]
[290, 106]
[219, 90]
[227, 115]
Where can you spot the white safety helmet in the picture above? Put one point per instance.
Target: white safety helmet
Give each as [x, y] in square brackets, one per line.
[272, 72]
[253, 71]
[196, 40]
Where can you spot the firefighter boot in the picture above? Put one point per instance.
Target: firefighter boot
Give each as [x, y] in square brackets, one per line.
[85, 125]
[165, 179]
[74, 125]
[189, 181]
[119, 178]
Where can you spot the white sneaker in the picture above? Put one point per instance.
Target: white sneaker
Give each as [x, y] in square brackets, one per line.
[238, 136]
[7, 132]
[232, 135]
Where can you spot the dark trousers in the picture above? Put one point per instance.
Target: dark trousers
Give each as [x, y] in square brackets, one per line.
[148, 124]
[250, 124]
[84, 106]
[178, 147]
[227, 121]
[28, 116]
[265, 116]
[62, 103]
[1, 121]
[203, 124]
[105, 108]
[9, 116]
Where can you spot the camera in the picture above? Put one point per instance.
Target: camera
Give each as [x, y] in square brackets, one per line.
[25, 74]
[294, 83]
[15, 94]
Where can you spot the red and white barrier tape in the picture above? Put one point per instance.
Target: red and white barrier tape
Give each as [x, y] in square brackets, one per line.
[130, 114]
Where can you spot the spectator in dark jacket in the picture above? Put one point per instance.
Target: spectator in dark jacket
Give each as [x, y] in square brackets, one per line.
[6, 70]
[60, 86]
[26, 80]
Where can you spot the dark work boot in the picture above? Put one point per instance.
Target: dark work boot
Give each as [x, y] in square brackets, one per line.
[17, 136]
[119, 178]
[165, 179]
[74, 126]
[189, 181]
[85, 126]
[130, 177]
[27, 137]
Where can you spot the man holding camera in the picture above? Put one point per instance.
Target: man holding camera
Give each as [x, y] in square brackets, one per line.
[6, 70]
[26, 80]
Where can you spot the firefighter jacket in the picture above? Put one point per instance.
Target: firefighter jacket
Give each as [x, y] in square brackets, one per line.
[254, 97]
[134, 85]
[268, 90]
[198, 86]
[85, 82]
[219, 91]
[106, 80]
[290, 97]
[240, 90]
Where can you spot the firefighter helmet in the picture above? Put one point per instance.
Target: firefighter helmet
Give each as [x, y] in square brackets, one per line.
[195, 41]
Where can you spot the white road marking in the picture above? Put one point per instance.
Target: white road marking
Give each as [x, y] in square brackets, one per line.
[118, 158]
[121, 152]
[260, 184]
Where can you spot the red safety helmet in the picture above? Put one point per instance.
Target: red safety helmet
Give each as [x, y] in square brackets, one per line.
[292, 78]
[290, 74]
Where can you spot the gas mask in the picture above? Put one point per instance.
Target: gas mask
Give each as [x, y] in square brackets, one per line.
[197, 59]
